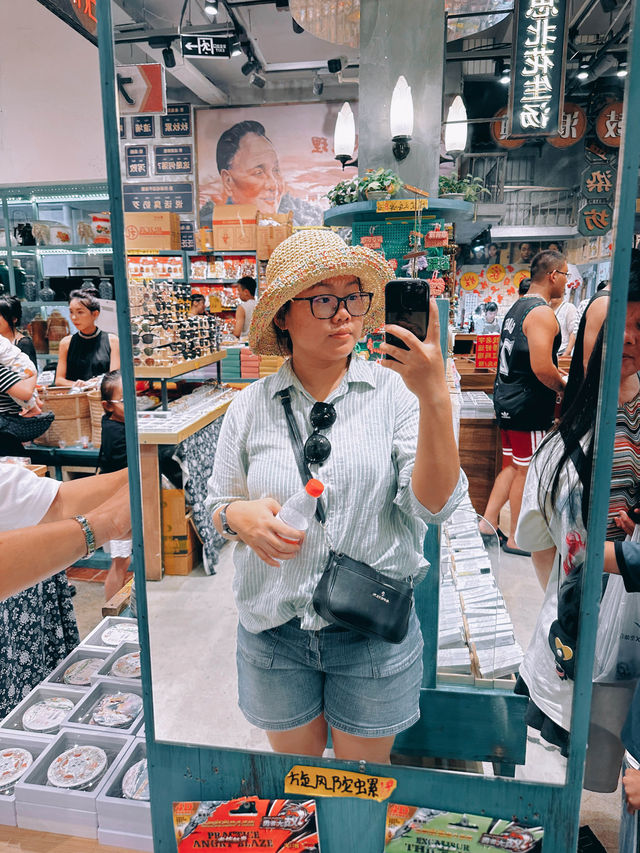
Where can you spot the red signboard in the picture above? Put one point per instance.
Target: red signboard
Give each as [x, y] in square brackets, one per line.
[487, 351]
[141, 89]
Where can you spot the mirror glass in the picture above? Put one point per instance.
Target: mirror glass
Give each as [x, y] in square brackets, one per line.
[243, 154]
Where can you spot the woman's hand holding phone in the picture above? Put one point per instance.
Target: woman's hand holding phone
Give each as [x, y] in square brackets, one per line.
[421, 365]
[256, 524]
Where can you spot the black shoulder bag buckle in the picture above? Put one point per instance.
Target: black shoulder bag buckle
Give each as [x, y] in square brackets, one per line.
[350, 593]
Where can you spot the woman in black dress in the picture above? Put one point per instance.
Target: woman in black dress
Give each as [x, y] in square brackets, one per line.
[90, 352]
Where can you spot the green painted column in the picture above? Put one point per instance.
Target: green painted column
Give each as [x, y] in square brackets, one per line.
[402, 37]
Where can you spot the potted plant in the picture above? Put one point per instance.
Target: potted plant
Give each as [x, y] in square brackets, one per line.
[466, 189]
[344, 192]
[379, 183]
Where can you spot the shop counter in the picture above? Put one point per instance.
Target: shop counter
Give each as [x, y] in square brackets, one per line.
[473, 378]
[480, 456]
[150, 475]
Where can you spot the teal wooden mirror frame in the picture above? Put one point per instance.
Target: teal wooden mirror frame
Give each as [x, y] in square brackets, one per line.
[181, 772]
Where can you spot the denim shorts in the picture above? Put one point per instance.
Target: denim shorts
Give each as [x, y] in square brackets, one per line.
[365, 687]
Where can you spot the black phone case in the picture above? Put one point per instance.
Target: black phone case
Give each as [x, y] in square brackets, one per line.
[397, 296]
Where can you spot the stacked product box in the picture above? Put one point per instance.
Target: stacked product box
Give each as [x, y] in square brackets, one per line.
[124, 815]
[231, 364]
[474, 622]
[111, 705]
[249, 365]
[270, 364]
[44, 711]
[112, 632]
[18, 751]
[58, 792]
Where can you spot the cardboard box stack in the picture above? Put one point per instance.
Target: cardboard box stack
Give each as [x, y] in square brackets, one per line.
[180, 545]
[272, 229]
[146, 232]
[234, 227]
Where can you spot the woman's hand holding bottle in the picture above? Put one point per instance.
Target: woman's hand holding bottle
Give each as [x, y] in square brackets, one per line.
[256, 524]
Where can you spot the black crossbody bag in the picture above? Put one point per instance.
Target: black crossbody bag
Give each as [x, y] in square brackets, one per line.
[350, 593]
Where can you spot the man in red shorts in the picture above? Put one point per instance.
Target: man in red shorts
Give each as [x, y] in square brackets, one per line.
[526, 387]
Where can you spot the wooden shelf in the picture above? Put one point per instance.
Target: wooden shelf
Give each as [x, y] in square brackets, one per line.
[176, 437]
[142, 372]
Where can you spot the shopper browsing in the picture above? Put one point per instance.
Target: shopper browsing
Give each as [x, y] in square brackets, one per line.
[247, 293]
[553, 523]
[382, 443]
[198, 306]
[113, 457]
[10, 322]
[18, 380]
[489, 324]
[90, 352]
[527, 384]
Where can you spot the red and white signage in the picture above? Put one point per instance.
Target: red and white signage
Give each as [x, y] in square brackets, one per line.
[141, 89]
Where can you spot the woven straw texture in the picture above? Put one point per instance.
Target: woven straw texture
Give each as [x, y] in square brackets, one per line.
[306, 258]
[72, 417]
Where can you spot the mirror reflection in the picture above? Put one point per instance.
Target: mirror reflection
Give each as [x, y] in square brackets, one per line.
[256, 309]
[321, 577]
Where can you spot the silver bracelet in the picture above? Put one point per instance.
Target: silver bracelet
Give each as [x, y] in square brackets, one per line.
[89, 535]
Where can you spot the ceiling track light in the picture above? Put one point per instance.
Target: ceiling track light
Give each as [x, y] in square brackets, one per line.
[258, 79]
[211, 7]
[622, 70]
[583, 71]
[236, 48]
[164, 43]
[249, 67]
[318, 85]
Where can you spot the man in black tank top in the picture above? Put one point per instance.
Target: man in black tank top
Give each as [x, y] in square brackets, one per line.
[527, 384]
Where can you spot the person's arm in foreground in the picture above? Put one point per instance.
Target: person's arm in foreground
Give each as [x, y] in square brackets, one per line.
[631, 782]
[543, 564]
[540, 327]
[239, 324]
[437, 466]
[78, 497]
[623, 558]
[31, 554]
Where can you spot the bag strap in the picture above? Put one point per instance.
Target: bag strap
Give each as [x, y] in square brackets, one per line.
[298, 450]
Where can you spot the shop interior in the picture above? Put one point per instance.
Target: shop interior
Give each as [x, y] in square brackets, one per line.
[371, 121]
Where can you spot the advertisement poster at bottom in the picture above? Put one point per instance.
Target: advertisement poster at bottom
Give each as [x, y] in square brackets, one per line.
[411, 829]
[246, 823]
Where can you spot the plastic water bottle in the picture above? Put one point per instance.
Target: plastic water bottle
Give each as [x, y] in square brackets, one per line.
[299, 509]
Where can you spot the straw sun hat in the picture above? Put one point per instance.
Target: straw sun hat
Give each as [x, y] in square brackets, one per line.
[306, 258]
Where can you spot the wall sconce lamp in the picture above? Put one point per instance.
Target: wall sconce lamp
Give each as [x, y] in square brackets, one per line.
[455, 131]
[401, 118]
[344, 136]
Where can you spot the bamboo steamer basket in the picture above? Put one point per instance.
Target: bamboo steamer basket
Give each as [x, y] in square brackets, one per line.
[73, 418]
[96, 412]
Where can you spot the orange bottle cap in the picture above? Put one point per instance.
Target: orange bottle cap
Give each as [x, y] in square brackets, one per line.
[314, 488]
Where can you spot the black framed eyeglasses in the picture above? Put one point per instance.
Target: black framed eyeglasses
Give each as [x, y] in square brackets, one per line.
[326, 305]
[562, 272]
[317, 448]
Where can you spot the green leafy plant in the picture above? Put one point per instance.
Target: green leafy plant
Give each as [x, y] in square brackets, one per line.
[344, 192]
[380, 180]
[472, 189]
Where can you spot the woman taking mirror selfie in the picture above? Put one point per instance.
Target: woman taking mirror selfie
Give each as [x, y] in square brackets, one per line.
[382, 443]
[90, 352]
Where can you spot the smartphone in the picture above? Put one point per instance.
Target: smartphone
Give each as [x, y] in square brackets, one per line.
[406, 302]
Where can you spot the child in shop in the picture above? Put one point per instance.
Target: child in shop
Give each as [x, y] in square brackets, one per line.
[113, 457]
[18, 362]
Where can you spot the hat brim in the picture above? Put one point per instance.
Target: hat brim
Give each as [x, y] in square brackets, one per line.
[368, 266]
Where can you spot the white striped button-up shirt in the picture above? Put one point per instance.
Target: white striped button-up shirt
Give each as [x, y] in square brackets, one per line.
[372, 512]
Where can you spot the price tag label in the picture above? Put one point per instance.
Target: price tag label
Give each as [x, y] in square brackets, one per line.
[325, 782]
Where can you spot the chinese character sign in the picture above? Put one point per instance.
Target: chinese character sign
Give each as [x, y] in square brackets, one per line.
[598, 182]
[487, 351]
[538, 64]
[573, 124]
[595, 219]
[609, 125]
